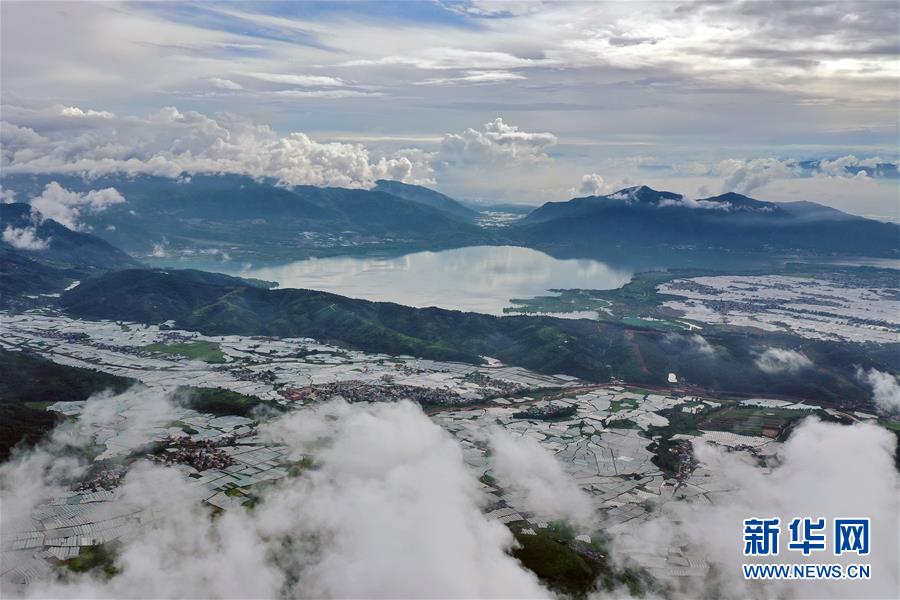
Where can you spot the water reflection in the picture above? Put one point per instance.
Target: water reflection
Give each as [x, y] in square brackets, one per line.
[476, 278]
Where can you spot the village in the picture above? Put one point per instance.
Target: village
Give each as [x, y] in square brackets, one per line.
[609, 437]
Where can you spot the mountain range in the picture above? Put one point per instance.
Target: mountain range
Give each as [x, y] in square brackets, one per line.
[644, 217]
[212, 213]
[49, 256]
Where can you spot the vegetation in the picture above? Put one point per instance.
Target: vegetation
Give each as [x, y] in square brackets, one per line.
[596, 351]
[637, 297]
[569, 567]
[99, 560]
[209, 352]
[217, 401]
[28, 382]
[747, 420]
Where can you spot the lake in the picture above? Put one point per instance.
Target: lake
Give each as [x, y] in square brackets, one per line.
[477, 278]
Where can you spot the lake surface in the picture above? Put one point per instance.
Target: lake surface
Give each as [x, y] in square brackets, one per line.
[477, 278]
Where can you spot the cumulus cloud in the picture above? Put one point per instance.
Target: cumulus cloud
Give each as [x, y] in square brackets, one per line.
[814, 476]
[744, 176]
[25, 238]
[67, 207]
[74, 111]
[535, 480]
[496, 142]
[170, 143]
[885, 389]
[593, 185]
[390, 509]
[782, 360]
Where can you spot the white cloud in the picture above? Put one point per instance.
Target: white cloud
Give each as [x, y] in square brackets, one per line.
[225, 84]
[885, 389]
[66, 207]
[744, 176]
[593, 185]
[686, 202]
[300, 80]
[782, 360]
[535, 481]
[323, 94]
[432, 58]
[170, 142]
[702, 346]
[390, 510]
[475, 77]
[814, 475]
[74, 111]
[496, 142]
[25, 238]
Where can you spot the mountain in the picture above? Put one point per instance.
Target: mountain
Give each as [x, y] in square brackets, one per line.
[26, 380]
[641, 217]
[426, 197]
[41, 256]
[213, 213]
[62, 247]
[221, 305]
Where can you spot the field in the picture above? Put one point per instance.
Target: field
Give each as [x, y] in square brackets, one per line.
[635, 304]
[209, 352]
[750, 421]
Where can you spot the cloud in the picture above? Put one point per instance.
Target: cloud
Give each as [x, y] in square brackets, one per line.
[66, 207]
[686, 202]
[702, 346]
[781, 360]
[813, 475]
[593, 185]
[300, 80]
[225, 84]
[432, 58]
[475, 77]
[169, 143]
[390, 509]
[25, 238]
[75, 112]
[535, 481]
[885, 389]
[497, 142]
[744, 176]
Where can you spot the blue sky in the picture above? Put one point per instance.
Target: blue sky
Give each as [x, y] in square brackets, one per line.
[692, 96]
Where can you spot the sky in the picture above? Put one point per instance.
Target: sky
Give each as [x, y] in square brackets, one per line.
[519, 102]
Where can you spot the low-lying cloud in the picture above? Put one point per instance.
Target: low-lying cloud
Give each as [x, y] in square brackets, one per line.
[389, 510]
[25, 238]
[885, 389]
[535, 481]
[781, 360]
[67, 207]
[815, 475]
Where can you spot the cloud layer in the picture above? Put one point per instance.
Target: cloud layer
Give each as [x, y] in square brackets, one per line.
[390, 510]
[814, 476]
